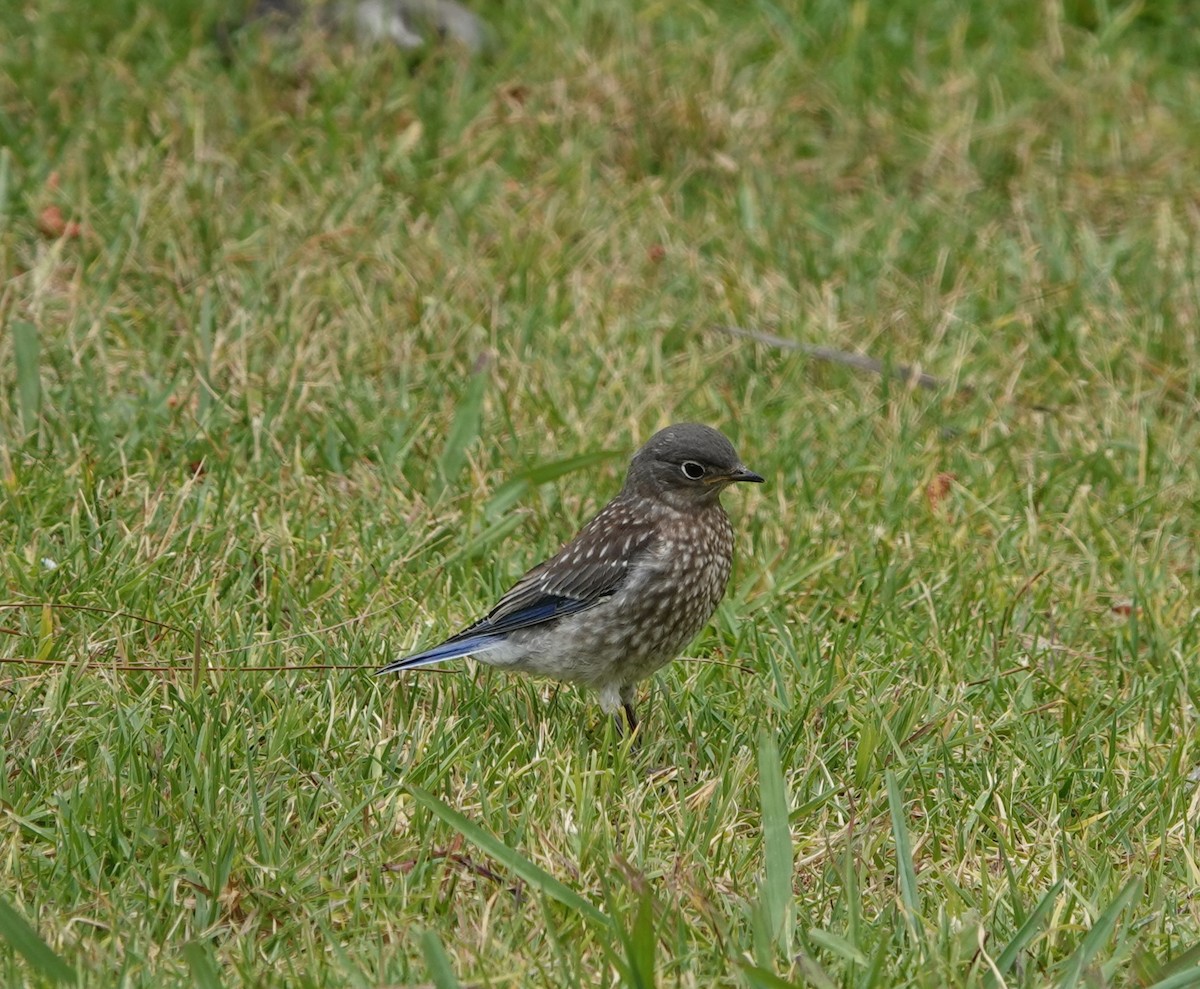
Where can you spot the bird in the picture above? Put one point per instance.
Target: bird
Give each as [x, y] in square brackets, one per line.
[631, 590]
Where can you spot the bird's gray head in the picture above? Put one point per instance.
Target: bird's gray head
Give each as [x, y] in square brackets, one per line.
[686, 465]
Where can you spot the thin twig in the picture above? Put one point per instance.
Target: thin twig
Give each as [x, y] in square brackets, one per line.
[716, 662]
[859, 362]
[56, 606]
[308, 633]
[140, 668]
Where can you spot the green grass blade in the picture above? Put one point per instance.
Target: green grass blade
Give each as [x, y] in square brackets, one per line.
[493, 532]
[639, 943]
[1185, 979]
[536, 877]
[513, 490]
[905, 868]
[853, 898]
[838, 945]
[1033, 923]
[437, 962]
[205, 325]
[351, 973]
[465, 429]
[1187, 963]
[29, 382]
[26, 941]
[777, 844]
[761, 978]
[205, 974]
[815, 804]
[5, 180]
[1099, 934]
[873, 976]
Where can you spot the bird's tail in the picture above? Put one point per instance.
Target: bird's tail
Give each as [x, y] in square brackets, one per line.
[447, 650]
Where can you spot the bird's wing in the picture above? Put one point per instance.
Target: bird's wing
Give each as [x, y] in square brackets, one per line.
[585, 572]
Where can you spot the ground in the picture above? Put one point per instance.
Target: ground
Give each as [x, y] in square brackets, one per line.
[306, 353]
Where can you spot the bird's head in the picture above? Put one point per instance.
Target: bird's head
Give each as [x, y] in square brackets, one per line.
[687, 465]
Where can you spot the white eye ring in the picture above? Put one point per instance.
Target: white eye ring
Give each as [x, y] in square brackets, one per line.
[692, 470]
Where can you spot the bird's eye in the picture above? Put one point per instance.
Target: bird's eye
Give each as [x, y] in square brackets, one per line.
[692, 470]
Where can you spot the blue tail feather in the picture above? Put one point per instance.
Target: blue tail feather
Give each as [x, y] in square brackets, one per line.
[438, 654]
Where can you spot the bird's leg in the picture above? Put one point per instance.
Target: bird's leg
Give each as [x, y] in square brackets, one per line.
[630, 718]
[627, 695]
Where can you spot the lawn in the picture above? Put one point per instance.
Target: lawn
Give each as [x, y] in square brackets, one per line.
[308, 352]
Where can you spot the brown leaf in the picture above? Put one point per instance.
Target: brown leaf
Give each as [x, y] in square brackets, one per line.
[52, 224]
[450, 853]
[515, 92]
[938, 488]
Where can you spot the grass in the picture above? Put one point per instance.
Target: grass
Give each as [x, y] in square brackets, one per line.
[343, 343]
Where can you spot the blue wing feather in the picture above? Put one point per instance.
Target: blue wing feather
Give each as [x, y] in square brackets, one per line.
[452, 649]
[584, 573]
[484, 635]
[534, 612]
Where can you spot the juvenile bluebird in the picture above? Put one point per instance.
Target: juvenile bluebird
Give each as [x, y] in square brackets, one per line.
[631, 589]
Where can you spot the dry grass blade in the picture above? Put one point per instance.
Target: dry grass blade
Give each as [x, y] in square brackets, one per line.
[859, 362]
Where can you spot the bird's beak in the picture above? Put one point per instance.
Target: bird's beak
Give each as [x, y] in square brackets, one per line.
[740, 473]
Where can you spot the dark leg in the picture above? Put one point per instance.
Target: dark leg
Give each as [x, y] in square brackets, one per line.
[630, 717]
[627, 697]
